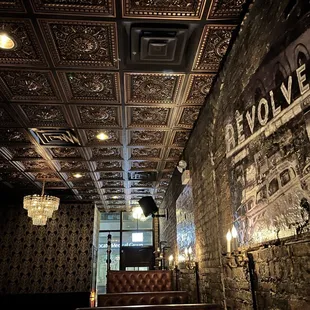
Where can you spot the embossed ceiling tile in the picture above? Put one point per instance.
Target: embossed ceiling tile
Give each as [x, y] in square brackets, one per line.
[44, 115]
[90, 197]
[139, 184]
[82, 44]
[161, 190]
[225, 9]
[26, 85]
[163, 183]
[6, 176]
[144, 165]
[187, 117]
[101, 8]
[145, 175]
[109, 165]
[36, 165]
[111, 176]
[146, 137]
[24, 152]
[76, 166]
[12, 135]
[106, 116]
[12, 6]
[213, 45]
[5, 165]
[72, 178]
[51, 185]
[27, 50]
[113, 191]
[180, 137]
[112, 184]
[114, 137]
[87, 191]
[179, 9]
[47, 176]
[96, 87]
[5, 118]
[65, 152]
[78, 183]
[106, 152]
[148, 116]
[198, 87]
[142, 191]
[170, 165]
[143, 153]
[175, 153]
[152, 88]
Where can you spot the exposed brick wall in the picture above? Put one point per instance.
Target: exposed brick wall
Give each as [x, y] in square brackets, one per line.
[215, 187]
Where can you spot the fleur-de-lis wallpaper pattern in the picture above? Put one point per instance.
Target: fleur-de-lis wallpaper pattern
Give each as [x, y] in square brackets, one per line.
[54, 258]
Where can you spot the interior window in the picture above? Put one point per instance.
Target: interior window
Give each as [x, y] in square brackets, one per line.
[285, 177]
[273, 186]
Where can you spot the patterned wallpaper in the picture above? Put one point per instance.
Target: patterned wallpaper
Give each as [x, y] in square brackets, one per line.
[54, 258]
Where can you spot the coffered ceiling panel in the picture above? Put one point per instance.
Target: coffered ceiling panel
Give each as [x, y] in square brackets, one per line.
[28, 85]
[153, 88]
[98, 98]
[91, 87]
[28, 50]
[81, 44]
[107, 116]
[12, 6]
[198, 87]
[149, 117]
[104, 8]
[167, 9]
[44, 115]
[212, 47]
[225, 9]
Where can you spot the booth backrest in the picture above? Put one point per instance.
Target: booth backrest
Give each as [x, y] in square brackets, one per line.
[139, 281]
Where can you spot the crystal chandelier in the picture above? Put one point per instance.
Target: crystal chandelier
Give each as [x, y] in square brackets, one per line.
[40, 207]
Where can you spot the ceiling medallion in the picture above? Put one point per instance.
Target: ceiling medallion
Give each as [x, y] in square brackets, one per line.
[82, 42]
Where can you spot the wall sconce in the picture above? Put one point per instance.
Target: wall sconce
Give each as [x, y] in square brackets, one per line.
[92, 298]
[190, 264]
[235, 257]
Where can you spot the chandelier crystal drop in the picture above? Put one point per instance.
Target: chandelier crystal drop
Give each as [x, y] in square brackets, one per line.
[40, 207]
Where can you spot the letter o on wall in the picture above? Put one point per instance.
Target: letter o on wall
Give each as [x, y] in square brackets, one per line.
[263, 119]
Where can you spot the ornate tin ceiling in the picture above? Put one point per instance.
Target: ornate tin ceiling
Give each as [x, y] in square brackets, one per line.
[137, 71]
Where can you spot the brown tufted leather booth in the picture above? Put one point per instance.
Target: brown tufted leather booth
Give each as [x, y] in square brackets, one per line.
[139, 281]
[160, 307]
[142, 298]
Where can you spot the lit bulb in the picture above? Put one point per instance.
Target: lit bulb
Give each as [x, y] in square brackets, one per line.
[102, 136]
[77, 175]
[181, 258]
[190, 251]
[186, 251]
[170, 258]
[234, 232]
[114, 197]
[228, 235]
[6, 42]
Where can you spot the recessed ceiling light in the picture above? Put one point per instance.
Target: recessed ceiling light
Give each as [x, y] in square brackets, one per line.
[6, 42]
[77, 175]
[114, 197]
[102, 136]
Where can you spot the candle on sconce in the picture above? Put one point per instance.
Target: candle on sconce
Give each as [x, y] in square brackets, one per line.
[234, 235]
[186, 252]
[170, 259]
[189, 253]
[228, 238]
